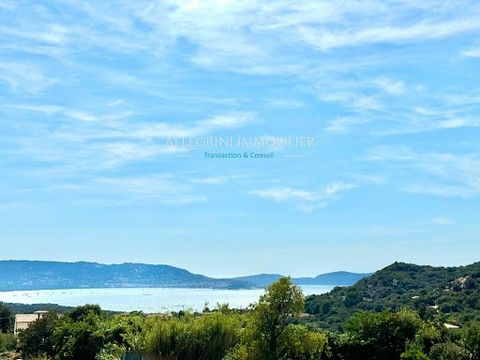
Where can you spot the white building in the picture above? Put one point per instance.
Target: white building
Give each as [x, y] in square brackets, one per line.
[22, 321]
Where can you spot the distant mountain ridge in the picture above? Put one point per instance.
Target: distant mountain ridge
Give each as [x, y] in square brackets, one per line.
[38, 275]
[339, 278]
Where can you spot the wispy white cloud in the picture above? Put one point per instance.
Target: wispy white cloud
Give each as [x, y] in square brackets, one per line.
[152, 130]
[119, 153]
[156, 188]
[80, 115]
[283, 194]
[284, 103]
[389, 34]
[344, 125]
[472, 52]
[107, 139]
[24, 77]
[213, 180]
[354, 100]
[394, 87]
[441, 220]
[305, 200]
[439, 174]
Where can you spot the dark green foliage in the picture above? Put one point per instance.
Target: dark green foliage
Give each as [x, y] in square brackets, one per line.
[456, 292]
[31, 308]
[37, 339]
[414, 353]
[6, 319]
[81, 312]
[380, 336]
[448, 351]
[85, 333]
[471, 339]
[79, 340]
[8, 342]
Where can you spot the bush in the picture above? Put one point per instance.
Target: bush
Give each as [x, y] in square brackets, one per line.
[414, 353]
[298, 343]
[37, 339]
[382, 335]
[194, 337]
[448, 351]
[8, 342]
[471, 339]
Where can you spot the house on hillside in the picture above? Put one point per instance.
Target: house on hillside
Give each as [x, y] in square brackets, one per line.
[23, 321]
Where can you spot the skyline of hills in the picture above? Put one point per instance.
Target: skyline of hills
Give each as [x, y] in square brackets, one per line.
[36, 275]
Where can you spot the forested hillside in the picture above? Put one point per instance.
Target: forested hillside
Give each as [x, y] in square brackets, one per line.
[34, 275]
[448, 293]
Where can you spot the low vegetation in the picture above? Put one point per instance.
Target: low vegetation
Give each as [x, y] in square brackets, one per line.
[438, 294]
[392, 315]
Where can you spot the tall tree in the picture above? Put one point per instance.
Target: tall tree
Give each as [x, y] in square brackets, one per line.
[6, 319]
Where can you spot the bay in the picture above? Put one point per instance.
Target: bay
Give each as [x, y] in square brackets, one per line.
[149, 300]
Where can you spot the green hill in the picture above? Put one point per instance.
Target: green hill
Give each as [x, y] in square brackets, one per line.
[447, 293]
[35, 275]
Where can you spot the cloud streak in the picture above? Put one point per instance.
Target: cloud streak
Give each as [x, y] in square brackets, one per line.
[438, 174]
[305, 200]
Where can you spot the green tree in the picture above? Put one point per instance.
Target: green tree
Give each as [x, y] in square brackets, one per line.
[81, 312]
[37, 339]
[8, 342]
[382, 336]
[427, 336]
[448, 351]
[414, 353]
[6, 319]
[298, 343]
[276, 307]
[269, 320]
[471, 339]
[79, 340]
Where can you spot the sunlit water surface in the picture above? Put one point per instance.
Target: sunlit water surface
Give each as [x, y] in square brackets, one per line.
[146, 299]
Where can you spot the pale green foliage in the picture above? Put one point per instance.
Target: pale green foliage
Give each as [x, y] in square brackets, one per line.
[7, 342]
[297, 342]
[270, 335]
[281, 302]
[448, 351]
[110, 352]
[471, 339]
[191, 337]
[413, 353]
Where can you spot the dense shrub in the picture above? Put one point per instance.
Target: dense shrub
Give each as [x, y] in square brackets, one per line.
[381, 335]
[471, 340]
[448, 351]
[37, 339]
[189, 337]
[8, 342]
[414, 353]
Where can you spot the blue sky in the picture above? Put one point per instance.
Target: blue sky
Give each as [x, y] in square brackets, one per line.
[90, 92]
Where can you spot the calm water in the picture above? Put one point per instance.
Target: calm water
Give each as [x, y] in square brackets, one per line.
[147, 300]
